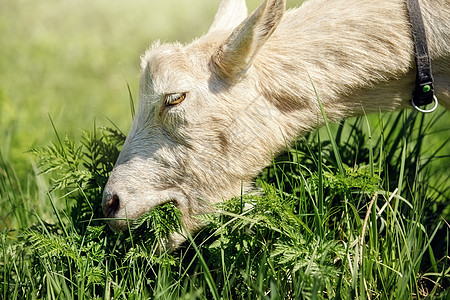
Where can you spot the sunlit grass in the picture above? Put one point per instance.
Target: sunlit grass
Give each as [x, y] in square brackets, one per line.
[316, 232]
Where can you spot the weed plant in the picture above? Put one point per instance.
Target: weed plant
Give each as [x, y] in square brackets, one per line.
[353, 212]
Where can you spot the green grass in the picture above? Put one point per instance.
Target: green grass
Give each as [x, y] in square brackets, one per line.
[356, 210]
[376, 229]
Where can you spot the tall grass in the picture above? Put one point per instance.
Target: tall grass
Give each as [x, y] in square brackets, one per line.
[377, 229]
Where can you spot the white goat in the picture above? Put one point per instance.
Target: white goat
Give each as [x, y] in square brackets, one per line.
[212, 113]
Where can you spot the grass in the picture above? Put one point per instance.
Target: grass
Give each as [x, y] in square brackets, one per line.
[368, 231]
[354, 210]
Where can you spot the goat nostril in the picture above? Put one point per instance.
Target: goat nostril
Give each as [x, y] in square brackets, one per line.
[112, 206]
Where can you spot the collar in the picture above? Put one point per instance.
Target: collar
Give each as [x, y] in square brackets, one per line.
[423, 93]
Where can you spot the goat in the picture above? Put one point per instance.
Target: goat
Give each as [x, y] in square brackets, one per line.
[212, 113]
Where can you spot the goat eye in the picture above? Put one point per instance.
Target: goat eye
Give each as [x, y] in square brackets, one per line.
[174, 99]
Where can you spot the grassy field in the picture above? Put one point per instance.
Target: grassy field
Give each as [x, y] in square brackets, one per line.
[362, 212]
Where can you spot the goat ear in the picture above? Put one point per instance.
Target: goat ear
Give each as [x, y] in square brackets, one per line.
[229, 15]
[232, 59]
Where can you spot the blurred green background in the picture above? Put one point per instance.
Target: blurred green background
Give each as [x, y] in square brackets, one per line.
[72, 60]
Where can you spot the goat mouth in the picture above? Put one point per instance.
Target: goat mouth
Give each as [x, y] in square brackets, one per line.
[121, 223]
[165, 206]
[173, 201]
[162, 206]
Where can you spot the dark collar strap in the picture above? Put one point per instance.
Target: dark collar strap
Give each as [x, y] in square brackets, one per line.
[423, 91]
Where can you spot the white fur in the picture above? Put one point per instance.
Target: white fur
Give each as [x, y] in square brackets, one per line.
[248, 91]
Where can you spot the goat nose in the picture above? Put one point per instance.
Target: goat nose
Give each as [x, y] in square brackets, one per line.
[111, 206]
